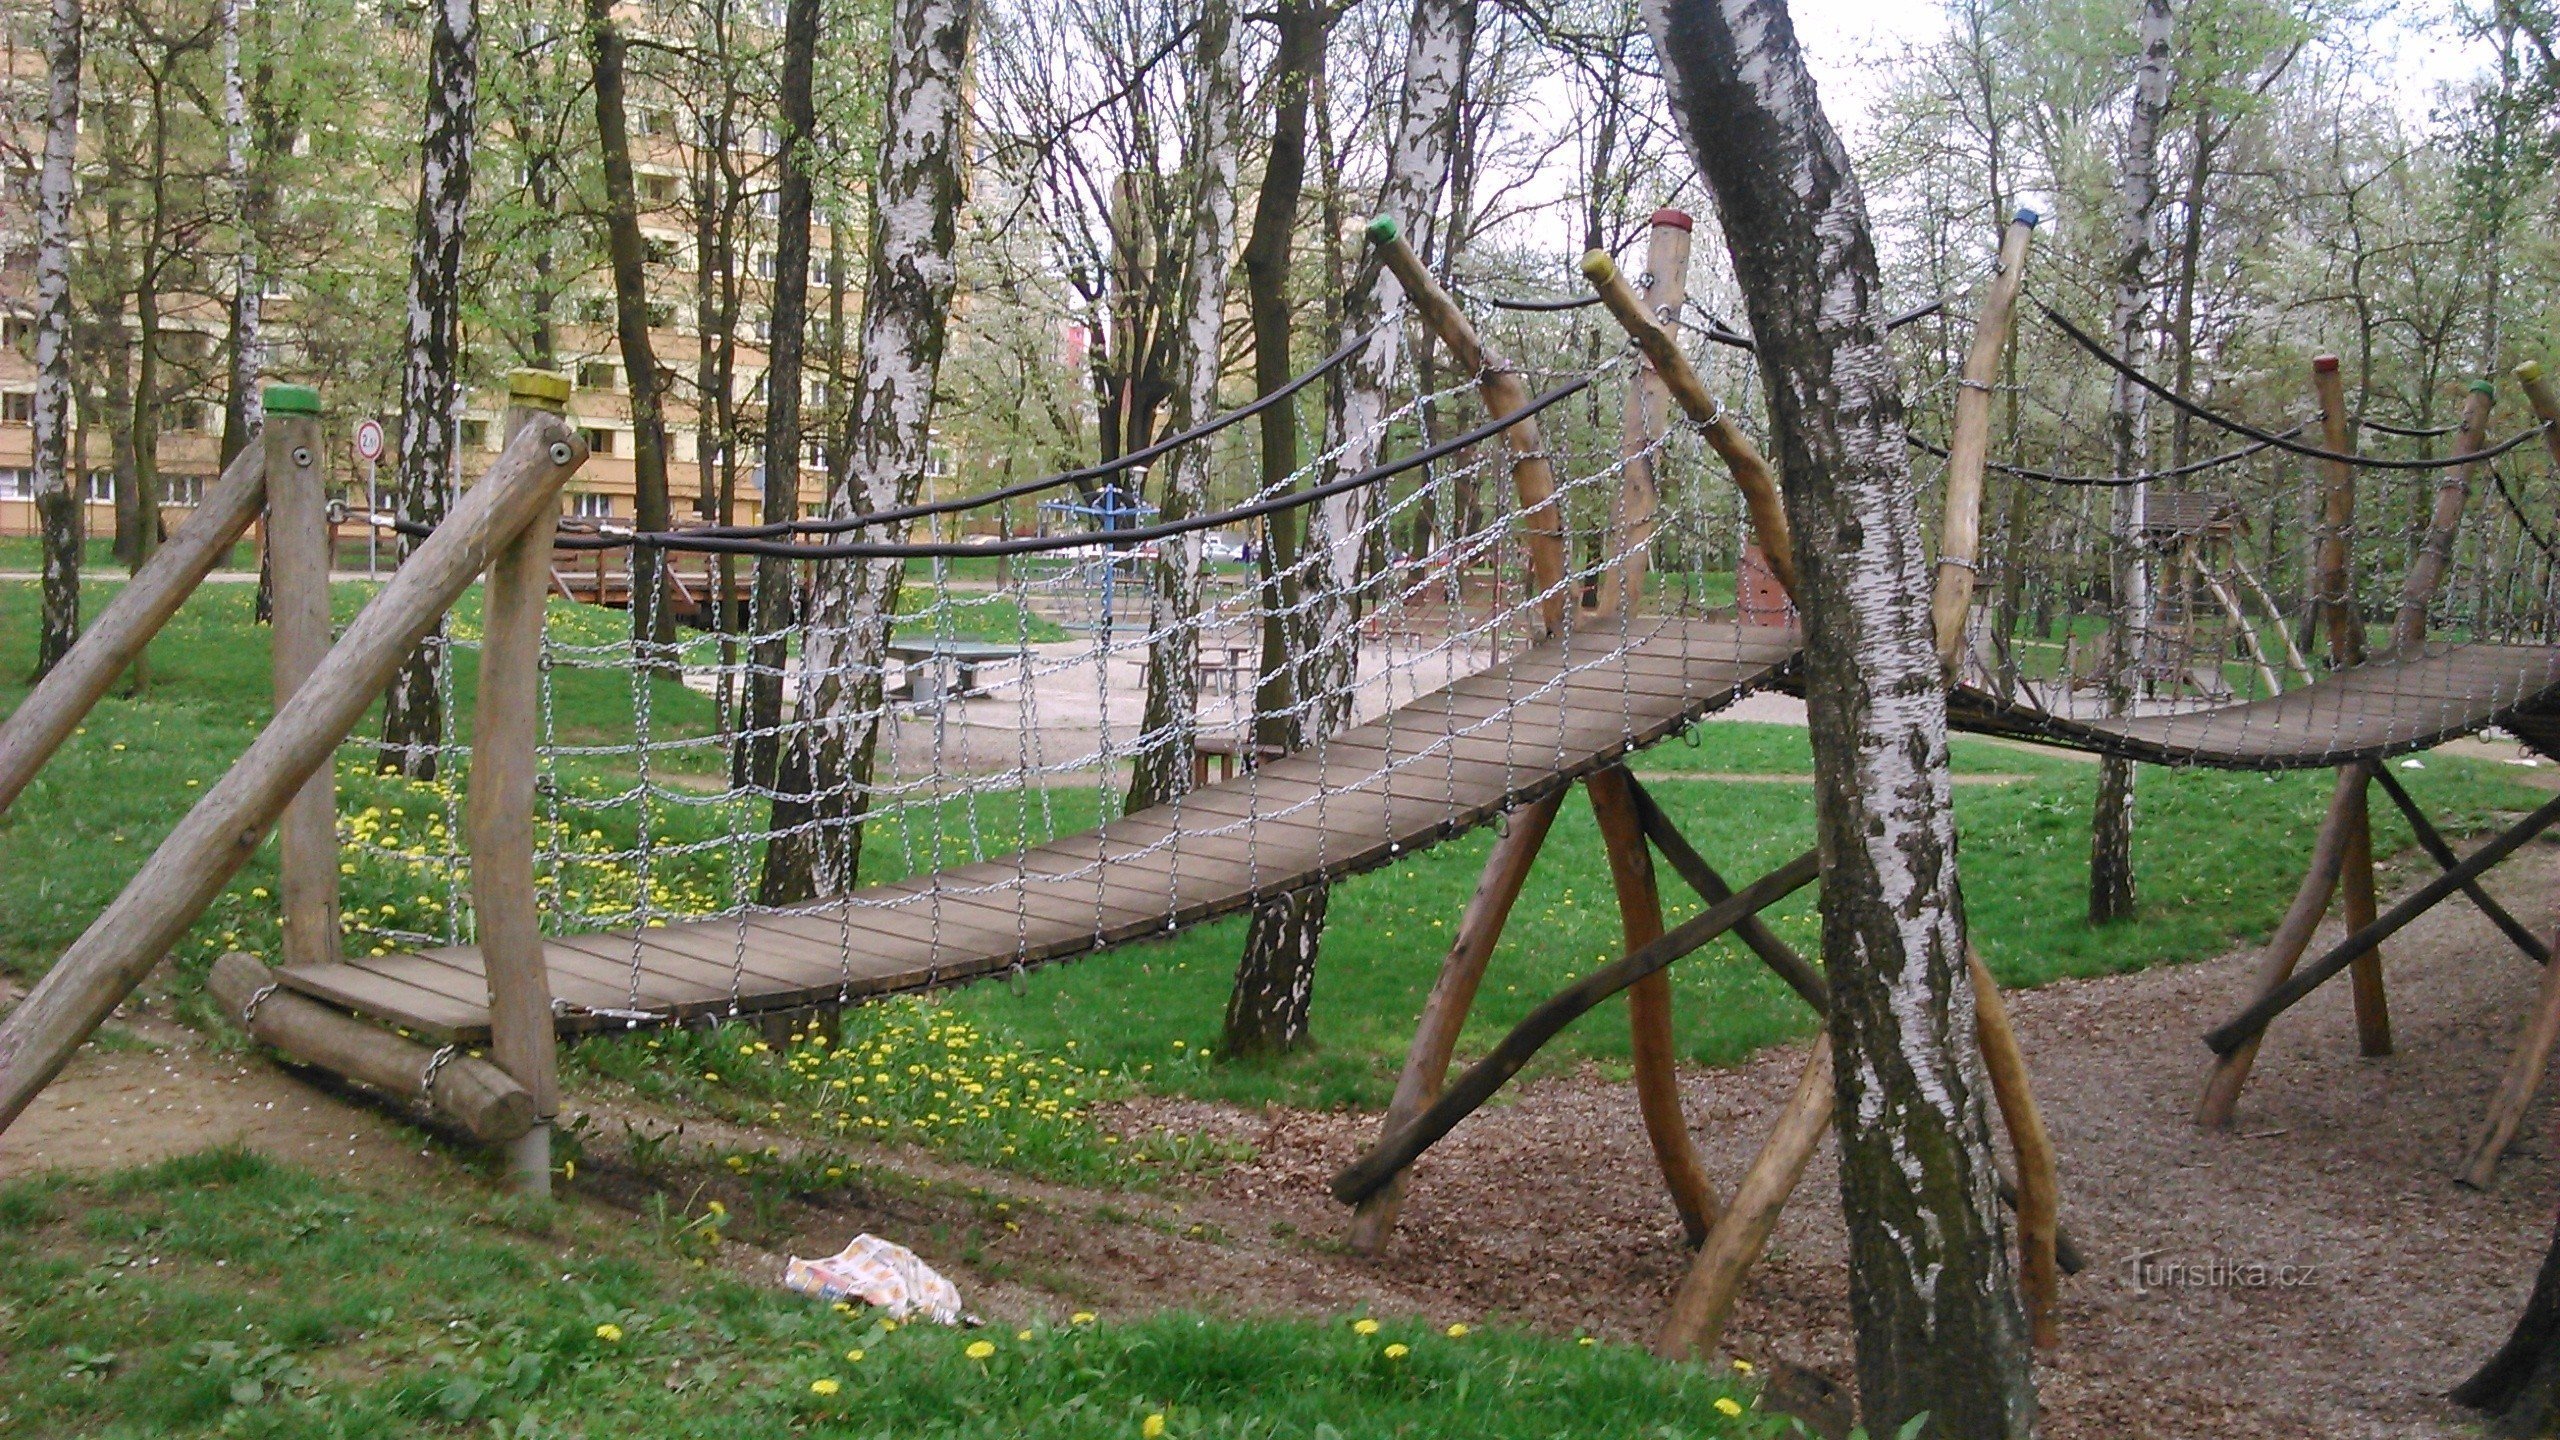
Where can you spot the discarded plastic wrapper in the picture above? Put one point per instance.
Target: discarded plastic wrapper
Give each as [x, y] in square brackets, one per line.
[872, 1271]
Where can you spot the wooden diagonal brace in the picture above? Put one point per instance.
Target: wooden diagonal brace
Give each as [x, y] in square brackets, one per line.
[2433, 842]
[1373, 1171]
[1781, 957]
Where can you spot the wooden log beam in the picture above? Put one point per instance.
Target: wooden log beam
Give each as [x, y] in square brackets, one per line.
[471, 1094]
[2433, 842]
[1650, 1041]
[1750, 469]
[2228, 1037]
[2284, 948]
[2523, 1076]
[1783, 959]
[498, 819]
[2546, 406]
[1641, 428]
[2434, 559]
[55, 708]
[298, 579]
[2356, 904]
[1704, 1302]
[2039, 1188]
[1969, 448]
[1533, 479]
[2333, 586]
[1444, 1013]
[217, 837]
[1366, 1175]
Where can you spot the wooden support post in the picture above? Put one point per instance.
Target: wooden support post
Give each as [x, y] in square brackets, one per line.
[2444, 522]
[1533, 479]
[1654, 1049]
[298, 575]
[2546, 406]
[473, 1094]
[1366, 1175]
[2333, 583]
[1666, 282]
[505, 731]
[1749, 468]
[1969, 447]
[2515, 1088]
[218, 836]
[2285, 947]
[1695, 1326]
[1444, 1014]
[2039, 1187]
[55, 708]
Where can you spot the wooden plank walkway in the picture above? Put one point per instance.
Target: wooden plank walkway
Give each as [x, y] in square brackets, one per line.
[2381, 708]
[1431, 769]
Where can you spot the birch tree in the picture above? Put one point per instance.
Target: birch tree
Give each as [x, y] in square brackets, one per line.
[906, 308]
[57, 489]
[244, 410]
[430, 373]
[1164, 763]
[2111, 880]
[1931, 1292]
[1275, 978]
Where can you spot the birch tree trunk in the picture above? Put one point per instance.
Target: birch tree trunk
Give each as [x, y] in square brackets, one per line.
[430, 375]
[58, 508]
[906, 311]
[653, 629]
[2111, 879]
[1275, 979]
[770, 617]
[1931, 1291]
[244, 409]
[1163, 768]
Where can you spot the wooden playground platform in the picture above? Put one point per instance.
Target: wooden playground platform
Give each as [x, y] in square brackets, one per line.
[1438, 766]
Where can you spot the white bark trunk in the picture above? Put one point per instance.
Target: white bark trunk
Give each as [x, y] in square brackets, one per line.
[1164, 767]
[248, 349]
[57, 490]
[906, 306]
[430, 373]
[1938, 1322]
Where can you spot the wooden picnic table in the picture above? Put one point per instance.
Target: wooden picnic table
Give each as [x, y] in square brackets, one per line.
[935, 668]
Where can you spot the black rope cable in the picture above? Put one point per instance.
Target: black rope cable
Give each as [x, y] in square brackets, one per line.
[2412, 432]
[2241, 427]
[1716, 330]
[839, 524]
[700, 542]
[1505, 302]
[2516, 508]
[2106, 481]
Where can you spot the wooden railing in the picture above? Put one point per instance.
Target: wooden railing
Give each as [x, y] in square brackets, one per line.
[502, 527]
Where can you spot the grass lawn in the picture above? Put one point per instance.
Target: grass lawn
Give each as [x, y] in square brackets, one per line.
[2218, 856]
[223, 1294]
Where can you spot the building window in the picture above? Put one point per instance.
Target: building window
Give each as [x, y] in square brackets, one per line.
[595, 375]
[182, 489]
[17, 484]
[18, 407]
[102, 487]
[599, 441]
[589, 506]
[17, 330]
[658, 189]
[817, 454]
[475, 434]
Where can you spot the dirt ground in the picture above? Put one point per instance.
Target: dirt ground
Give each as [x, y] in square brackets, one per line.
[1545, 1211]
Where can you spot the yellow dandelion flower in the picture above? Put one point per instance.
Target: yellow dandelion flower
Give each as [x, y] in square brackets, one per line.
[1587, 1340]
[1152, 1426]
[1397, 1351]
[610, 1333]
[1364, 1327]
[855, 1356]
[1742, 1366]
[980, 1349]
[824, 1387]
[1021, 1334]
[1081, 1317]
[716, 1208]
[1727, 1406]
[1457, 1332]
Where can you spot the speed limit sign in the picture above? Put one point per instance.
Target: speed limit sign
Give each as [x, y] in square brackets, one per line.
[369, 440]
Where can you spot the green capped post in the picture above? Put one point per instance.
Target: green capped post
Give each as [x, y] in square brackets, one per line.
[292, 400]
[1383, 230]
